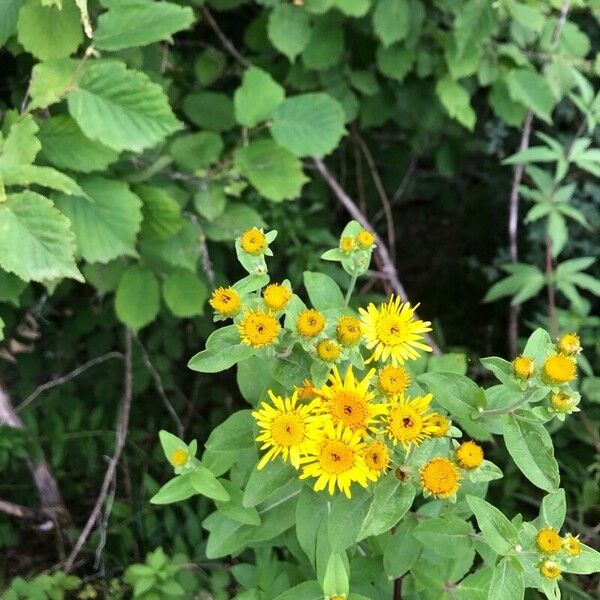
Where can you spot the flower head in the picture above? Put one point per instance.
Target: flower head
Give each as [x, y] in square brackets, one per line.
[393, 380]
[276, 296]
[328, 350]
[548, 541]
[258, 328]
[572, 545]
[523, 367]
[377, 458]
[336, 459]
[347, 244]
[391, 332]
[569, 344]
[226, 301]
[408, 421]
[179, 457]
[349, 400]
[307, 390]
[469, 455]
[348, 330]
[365, 239]
[550, 569]
[441, 424]
[440, 478]
[254, 241]
[559, 369]
[310, 323]
[562, 403]
[286, 428]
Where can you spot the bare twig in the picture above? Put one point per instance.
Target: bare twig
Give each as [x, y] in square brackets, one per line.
[64, 378]
[120, 439]
[227, 43]
[387, 266]
[160, 388]
[16, 510]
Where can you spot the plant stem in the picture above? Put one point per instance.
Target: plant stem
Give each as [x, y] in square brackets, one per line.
[350, 288]
[508, 409]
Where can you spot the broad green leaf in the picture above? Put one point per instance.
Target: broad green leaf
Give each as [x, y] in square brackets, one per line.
[507, 109]
[205, 483]
[307, 590]
[26, 175]
[475, 586]
[9, 12]
[326, 45]
[236, 433]
[178, 489]
[353, 8]
[215, 361]
[180, 250]
[65, 146]
[233, 507]
[312, 512]
[134, 25]
[21, 145]
[210, 110]
[402, 550]
[11, 287]
[345, 519]
[391, 20]
[336, 580]
[587, 562]
[161, 213]
[274, 171]
[209, 65]
[257, 98]
[185, 294]
[309, 125]
[262, 484]
[36, 242]
[323, 291]
[137, 300]
[530, 446]
[197, 150]
[448, 536]
[48, 32]
[50, 81]
[121, 108]
[395, 61]
[289, 29]
[210, 201]
[507, 581]
[532, 90]
[554, 509]
[170, 443]
[456, 100]
[107, 222]
[497, 530]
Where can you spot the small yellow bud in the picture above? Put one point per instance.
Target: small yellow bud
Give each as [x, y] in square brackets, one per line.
[523, 367]
[550, 569]
[179, 457]
[365, 239]
[347, 244]
[328, 350]
[569, 344]
[562, 403]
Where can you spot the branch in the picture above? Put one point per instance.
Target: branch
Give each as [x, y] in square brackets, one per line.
[387, 266]
[16, 510]
[120, 439]
[227, 43]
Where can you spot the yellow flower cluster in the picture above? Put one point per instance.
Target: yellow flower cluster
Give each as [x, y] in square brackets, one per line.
[552, 547]
[363, 240]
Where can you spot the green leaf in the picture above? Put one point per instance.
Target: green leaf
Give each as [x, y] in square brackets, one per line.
[50, 81]
[214, 361]
[210, 201]
[178, 489]
[36, 242]
[309, 125]
[197, 150]
[584, 564]
[336, 581]
[140, 24]
[66, 147]
[11, 287]
[120, 108]
[507, 581]
[530, 446]
[395, 61]
[326, 45]
[456, 100]
[353, 8]
[289, 29]
[402, 550]
[185, 294]
[266, 482]
[391, 21]
[170, 443]
[323, 291]
[161, 213]
[26, 175]
[137, 300]
[1, 329]
[48, 32]
[257, 98]
[9, 12]
[307, 590]
[449, 536]
[209, 65]
[20, 146]
[234, 434]
[105, 224]
[498, 531]
[274, 171]
[205, 483]
[345, 519]
[180, 250]
[532, 90]
[538, 345]
[209, 110]
[554, 509]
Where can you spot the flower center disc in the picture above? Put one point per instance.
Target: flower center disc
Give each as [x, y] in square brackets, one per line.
[287, 430]
[336, 457]
[350, 409]
[406, 423]
[391, 330]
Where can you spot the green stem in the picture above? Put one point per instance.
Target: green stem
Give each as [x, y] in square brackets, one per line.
[350, 288]
[507, 409]
[158, 165]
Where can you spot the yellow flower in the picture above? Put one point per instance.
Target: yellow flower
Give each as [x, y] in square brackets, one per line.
[347, 244]
[469, 455]
[179, 457]
[286, 428]
[392, 333]
[258, 328]
[393, 380]
[569, 344]
[572, 545]
[276, 296]
[562, 403]
[559, 369]
[348, 330]
[254, 241]
[336, 460]
[226, 301]
[548, 541]
[328, 350]
[348, 401]
[440, 478]
[550, 569]
[377, 459]
[310, 323]
[307, 390]
[365, 239]
[441, 424]
[523, 367]
[408, 422]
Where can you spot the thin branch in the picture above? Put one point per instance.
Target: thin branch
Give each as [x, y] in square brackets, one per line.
[387, 266]
[120, 439]
[64, 378]
[227, 43]
[16, 510]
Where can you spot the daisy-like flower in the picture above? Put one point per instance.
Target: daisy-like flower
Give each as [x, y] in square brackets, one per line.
[408, 421]
[569, 344]
[307, 390]
[336, 459]
[393, 380]
[276, 296]
[559, 369]
[469, 455]
[572, 545]
[348, 330]
[310, 323]
[258, 328]
[391, 331]
[286, 428]
[328, 350]
[523, 367]
[254, 241]
[365, 239]
[349, 401]
[441, 423]
[550, 569]
[440, 478]
[548, 541]
[226, 301]
[347, 244]
[377, 458]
